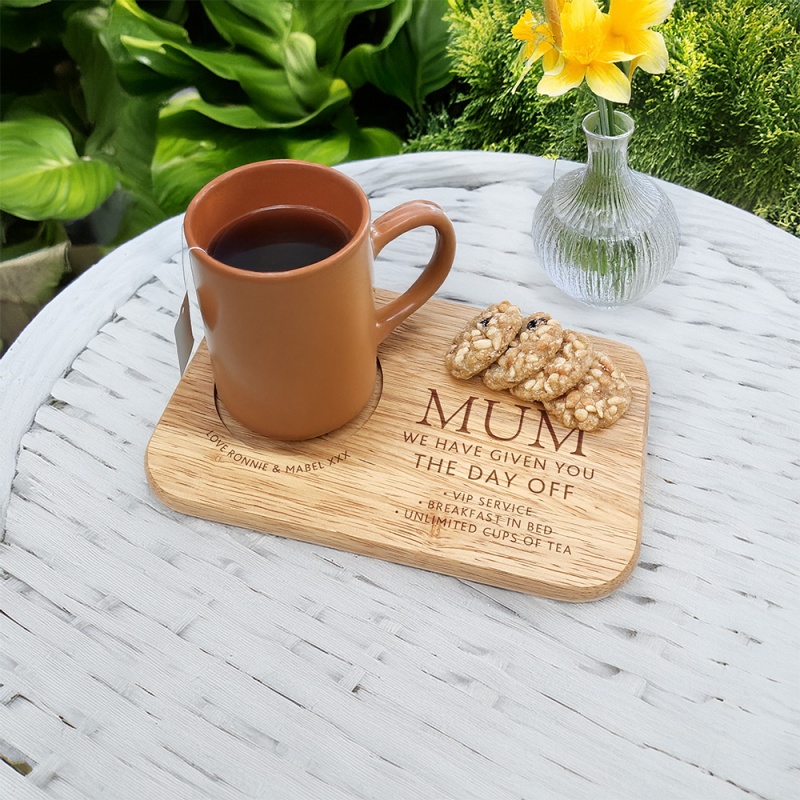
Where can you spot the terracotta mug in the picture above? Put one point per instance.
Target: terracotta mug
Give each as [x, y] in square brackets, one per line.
[294, 353]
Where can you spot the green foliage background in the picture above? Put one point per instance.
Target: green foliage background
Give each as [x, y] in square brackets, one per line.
[131, 107]
[724, 119]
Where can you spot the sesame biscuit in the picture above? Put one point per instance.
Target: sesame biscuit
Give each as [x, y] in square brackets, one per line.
[601, 397]
[561, 373]
[485, 338]
[537, 342]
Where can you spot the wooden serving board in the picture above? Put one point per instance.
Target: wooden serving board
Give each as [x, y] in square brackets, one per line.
[436, 473]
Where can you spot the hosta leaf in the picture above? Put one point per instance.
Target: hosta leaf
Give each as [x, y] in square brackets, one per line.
[270, 89]
[306, 81]
[356, 65]
[373, 143]
[137, 21]
[124, 126]
[247, 117]
[162, 57]
[43, 177]
[258, 27]
[327, 22]
[366, 142]
[24, 23]
[49, 103]
[192, 150]
[101, 91]
[226, 64]
[234, 116]
[276, 15]
[139, 66]
[414, 64]
[23, 3]
[330, 149]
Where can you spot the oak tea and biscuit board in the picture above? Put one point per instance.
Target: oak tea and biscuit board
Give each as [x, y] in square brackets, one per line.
[436, 473]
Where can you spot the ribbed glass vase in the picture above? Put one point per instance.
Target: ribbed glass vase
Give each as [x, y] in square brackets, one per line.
[605, 234]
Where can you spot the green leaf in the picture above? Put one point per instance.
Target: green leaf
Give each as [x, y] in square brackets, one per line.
[356, 65]
[144, 68]
[247, 117]
[22, 3]
[192, 150]
[281, 94]
[43, 177]
[281, 97]
[307, 82]
[234, 116]
[329, 149]
[414, 62]
[24, 25]
[276, 15]
[258, 27]
[373, 143]
[124, 127]
[141, 21]
[22, 237]
[84, 41]
[288, 93]
[367, 142]
[50, 103]
[327, 23]
[163, 57]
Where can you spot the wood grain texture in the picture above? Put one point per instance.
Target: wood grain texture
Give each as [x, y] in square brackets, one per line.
[438, 473]
[149, 654]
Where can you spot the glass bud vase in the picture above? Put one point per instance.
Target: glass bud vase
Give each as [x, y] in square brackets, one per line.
[604, 233]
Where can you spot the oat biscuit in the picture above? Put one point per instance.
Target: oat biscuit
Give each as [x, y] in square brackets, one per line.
[537, 342]
[597, 401]
[561, 373]
[485, 338]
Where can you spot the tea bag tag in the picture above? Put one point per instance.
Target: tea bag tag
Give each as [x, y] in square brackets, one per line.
[184, 340]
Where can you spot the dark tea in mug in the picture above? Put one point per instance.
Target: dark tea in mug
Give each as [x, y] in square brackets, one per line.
[279, 239]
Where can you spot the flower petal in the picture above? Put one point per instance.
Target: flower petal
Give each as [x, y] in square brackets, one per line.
[615, 51]
[543, 42]
[538, 37]
[580, 17]
[609, 81]
[630, 14]
[523, 28]
[570, 77]
[553, 62]
[654, 57]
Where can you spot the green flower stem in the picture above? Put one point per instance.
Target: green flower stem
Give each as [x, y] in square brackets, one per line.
[606, 108]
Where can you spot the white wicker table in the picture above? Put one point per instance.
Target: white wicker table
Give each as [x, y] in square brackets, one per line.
[145, 654]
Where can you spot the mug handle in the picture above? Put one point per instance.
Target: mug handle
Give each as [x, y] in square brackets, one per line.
[400, 220]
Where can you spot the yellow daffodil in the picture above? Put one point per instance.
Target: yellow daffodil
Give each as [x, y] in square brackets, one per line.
[629, 24]
[540, 42]
[537, 36]
[585, 51]
[576, 41]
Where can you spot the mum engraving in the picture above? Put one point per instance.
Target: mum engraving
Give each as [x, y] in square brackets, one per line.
[502, 422]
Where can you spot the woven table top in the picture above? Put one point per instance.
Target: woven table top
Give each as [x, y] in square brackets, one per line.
[148, 654]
